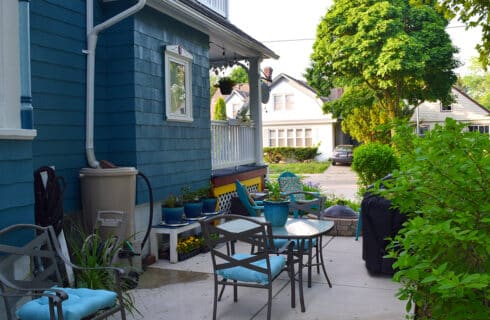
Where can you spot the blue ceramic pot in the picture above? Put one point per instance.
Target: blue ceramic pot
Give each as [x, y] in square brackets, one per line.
[276, 212]
[193, 209]
[209, 205]
[172, 215]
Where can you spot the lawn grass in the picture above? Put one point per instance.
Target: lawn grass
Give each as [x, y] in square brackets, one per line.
[299, 167]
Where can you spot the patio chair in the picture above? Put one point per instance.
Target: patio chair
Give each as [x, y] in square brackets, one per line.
[253, 207]
[291, 186]
[32, 277]
[235, 269]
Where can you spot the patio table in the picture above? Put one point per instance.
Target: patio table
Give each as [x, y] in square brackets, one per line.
[301, 230]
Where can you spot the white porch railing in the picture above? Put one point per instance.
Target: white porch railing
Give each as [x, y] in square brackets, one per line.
[231, 145]
[220, 6]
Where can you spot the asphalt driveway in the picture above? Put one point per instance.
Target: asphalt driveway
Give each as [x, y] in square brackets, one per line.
[339, 180]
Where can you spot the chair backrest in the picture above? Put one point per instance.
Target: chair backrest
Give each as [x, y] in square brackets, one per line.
[245, 198]
[32, 263]
[233, 228]
[289, 182]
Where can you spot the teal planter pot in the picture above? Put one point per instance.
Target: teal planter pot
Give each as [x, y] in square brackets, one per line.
[172, 215]
[193, 209]
[209, 205]
[276, 212]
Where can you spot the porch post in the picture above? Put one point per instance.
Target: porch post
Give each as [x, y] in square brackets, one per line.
[256, 107]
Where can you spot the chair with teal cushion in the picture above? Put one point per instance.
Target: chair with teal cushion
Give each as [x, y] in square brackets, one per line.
[34, 272]
[236, 269]
[309, 203]
[254, 208]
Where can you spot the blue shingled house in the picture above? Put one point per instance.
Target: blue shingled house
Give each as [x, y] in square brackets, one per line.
[121, 80]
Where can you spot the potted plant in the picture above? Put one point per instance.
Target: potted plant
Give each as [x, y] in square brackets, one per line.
[209, 201]
[225, 85]
[192, 202]
[172, 210]
[276, 205]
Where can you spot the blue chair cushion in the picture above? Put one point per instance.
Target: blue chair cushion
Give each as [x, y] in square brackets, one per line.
[81, 303]
[246, 275]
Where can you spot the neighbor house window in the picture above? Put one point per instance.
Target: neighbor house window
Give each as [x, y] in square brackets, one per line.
[278, 103]
[446, 108]
[290, 137]
[479, 128]
[296, 137]
[308, 138]
[423, 129]
[178, 84]
[272, 138]
[289, 102]
[281, 138]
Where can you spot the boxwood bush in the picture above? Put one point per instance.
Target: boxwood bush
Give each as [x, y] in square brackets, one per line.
[442, 252]
[373, 161]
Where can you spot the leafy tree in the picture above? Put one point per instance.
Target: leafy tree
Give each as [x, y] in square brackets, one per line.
[472, 13]
[368, 125]
[220, 109]
[212, 80]
[443, 250]
[239, 75]
[386, 54]
[477, 84]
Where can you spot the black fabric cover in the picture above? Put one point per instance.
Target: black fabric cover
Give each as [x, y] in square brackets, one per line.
[379, 221]
[49, 199]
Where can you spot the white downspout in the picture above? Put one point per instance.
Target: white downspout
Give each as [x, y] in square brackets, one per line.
[92, 34]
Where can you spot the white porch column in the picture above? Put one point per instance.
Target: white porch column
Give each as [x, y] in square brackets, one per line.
[256, 107]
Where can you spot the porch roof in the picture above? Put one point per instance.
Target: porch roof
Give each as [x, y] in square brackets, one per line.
[227, 44]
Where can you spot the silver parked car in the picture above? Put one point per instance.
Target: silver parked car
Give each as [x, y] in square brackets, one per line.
[342, 154]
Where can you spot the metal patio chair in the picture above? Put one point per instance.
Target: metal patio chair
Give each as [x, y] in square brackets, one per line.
[291, 186]
[32, 275]
[235, 269]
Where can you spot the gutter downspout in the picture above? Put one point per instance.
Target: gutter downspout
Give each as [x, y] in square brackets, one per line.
[92, 35]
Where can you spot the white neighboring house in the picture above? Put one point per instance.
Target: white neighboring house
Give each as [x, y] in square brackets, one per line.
[294, 117]
[464, 109]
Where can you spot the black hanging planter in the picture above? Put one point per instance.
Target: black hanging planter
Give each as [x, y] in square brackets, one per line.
[225, 85]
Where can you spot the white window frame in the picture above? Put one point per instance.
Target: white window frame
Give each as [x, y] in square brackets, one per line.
[178, 55]
[449, 108]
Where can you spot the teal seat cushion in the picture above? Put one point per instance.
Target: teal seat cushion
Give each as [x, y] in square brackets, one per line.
[80, 304]
[246, 275]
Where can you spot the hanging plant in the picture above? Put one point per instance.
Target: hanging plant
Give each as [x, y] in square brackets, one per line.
[225, 85]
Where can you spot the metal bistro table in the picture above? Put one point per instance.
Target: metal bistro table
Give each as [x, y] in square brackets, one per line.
[304, 231]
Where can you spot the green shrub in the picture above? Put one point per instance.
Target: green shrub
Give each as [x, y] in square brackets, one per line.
[283, 154]
[220, 109]
[373, 161]
[442, 251]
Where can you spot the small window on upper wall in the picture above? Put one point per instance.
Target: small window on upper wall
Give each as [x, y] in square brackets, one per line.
[178, 84]
[446, 108]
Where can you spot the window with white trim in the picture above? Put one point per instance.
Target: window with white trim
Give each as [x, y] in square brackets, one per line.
[289, 101]
[283, 102]
[479, 128]
[178, 84]
[272, 138]
[446, 108]
[293, 137]
[278, 103]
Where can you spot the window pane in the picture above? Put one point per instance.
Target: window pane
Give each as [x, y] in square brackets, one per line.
[278, 103]
[308, 138]
[289, 102]
[281, 138]
[272, 138]
[299, 138]
[177, 88]
[290, 137]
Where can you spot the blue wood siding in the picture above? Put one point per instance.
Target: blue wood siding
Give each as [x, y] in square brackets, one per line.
[130, 129]
[172, 154]
[16, 183]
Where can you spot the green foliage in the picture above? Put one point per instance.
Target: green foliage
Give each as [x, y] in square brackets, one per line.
[332, 200]
[274, 191]
[386, 54]
[373, 161]
[190, 195]
[368, 124]
[473, 13]
[442, 252]
[477, 84]
[278, 154]
[212, 80]
[172, 201]
[239, 75]
[220, 109]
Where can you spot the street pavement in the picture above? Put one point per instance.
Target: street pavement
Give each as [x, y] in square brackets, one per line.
[339, 180]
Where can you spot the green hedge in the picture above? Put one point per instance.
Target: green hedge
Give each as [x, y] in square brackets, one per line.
[284, 154]
[373, 161]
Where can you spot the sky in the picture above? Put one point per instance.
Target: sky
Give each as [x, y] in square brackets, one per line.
[288, 27]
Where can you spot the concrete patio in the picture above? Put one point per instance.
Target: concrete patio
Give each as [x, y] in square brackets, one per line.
[185, 291]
